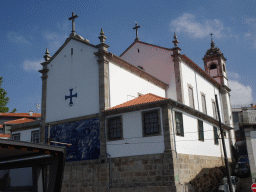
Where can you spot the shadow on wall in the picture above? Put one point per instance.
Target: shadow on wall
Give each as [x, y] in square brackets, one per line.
[83, 135]
[208, 179]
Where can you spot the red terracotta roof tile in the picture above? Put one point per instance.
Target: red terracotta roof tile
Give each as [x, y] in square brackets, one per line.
[148, 98]
[18, 121]
[4, 135]
[20, 115]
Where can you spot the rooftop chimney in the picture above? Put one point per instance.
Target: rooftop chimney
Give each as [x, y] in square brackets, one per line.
[30, 113]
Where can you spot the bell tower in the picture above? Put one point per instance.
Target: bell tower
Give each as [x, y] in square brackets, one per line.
[215, 64]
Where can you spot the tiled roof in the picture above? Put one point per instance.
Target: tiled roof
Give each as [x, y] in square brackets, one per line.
[18, 121]
[4, 135]
[148, 98]
[20, 115]
[1, 126]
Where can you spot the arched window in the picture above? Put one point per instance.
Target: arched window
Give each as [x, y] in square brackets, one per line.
[213, 66]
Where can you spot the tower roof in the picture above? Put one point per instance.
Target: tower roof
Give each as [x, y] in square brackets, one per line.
[213, 51]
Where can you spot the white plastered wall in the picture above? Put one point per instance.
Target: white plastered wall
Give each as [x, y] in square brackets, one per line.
[78, 72]
[133, 136]
[189, 143]
[25, 135]
[156, 61]
[124, 85]
[200, 85]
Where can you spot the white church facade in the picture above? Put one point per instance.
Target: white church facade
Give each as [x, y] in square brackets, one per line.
[145, 120]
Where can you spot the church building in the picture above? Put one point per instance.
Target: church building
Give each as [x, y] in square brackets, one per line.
[143, 121]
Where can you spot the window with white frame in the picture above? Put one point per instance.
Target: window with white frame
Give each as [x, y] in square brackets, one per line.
[16, 136]
[35, 136]
[204, 103]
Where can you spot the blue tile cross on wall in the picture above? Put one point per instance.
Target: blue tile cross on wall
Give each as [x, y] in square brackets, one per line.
[70, 97]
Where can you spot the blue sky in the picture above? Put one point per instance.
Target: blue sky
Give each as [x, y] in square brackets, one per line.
[28, 27]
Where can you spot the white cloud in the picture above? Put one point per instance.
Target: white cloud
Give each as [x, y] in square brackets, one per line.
[233, 75]
[251, 34]
[189, 24]
[32, 65]
[14, 37]
[54, 40]
[240, 94]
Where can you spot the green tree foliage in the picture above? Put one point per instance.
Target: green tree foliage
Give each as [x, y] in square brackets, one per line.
[4, 99]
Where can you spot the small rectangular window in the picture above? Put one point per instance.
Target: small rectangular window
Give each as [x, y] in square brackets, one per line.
[191, 97]
[16, 136]
[216, 137]
[35, 136]
[204, 104]
[151, 123]
[200, 130]
[215, 115]
[179, 123]
[115, 128]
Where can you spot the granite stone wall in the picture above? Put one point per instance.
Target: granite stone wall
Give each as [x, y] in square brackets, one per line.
[154, 172]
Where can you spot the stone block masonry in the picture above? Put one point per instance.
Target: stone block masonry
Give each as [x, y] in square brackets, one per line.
[153, 172]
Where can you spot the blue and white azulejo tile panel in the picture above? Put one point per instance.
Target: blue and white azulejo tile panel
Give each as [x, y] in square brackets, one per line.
[83, 135]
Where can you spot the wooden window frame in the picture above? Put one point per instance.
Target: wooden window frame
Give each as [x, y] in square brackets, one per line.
[108, 128]
[16, 134]
[157, 111]
[32, 136]
[181, 127]
[200, 130]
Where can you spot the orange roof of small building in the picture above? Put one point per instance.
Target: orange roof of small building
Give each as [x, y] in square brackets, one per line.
[148, 98]
[18, 121]
[4, 135]
[20, 115]
[1, 126]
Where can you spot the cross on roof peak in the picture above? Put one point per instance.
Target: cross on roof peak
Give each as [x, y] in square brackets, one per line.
[73, 22]
[136, 27]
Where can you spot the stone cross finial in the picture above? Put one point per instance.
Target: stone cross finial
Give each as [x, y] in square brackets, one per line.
[73, 21]
[47, 56]
[136, 27]
[212, 43]
[102, 36]
[175, 41]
